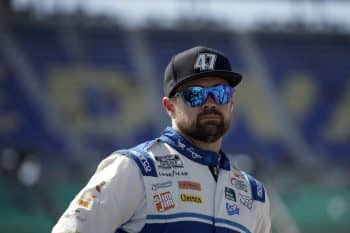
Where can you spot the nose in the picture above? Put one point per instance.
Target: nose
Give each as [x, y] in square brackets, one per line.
[209, 102]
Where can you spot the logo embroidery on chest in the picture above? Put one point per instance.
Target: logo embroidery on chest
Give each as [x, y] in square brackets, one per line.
[246, 201]
[173, 173]
[190, 150]
[230, 194]
[232, 209]
[169, 161]
[241, 185]
[189, 185]
[165, 184]
[238, 181]
[163, 201]
[191, 198]
[170, 165]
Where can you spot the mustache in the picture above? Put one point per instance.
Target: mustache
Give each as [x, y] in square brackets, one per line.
[210, 111]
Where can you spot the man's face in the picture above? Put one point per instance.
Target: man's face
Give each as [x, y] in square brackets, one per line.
[206, 123]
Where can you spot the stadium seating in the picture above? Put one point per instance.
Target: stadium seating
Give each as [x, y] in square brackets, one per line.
[321, 60]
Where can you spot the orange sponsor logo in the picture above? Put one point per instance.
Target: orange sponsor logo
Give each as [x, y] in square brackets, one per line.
[189, 185]
[86, 200]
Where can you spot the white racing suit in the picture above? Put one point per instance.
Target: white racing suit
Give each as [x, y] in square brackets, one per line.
[165, 185]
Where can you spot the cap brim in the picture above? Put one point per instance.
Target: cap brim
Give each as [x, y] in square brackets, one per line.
[233, 78]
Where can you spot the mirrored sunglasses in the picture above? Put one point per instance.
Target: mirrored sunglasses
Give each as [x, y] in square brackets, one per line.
[196, 96]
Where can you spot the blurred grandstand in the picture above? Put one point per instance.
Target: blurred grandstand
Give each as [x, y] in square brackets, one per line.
[74, 88]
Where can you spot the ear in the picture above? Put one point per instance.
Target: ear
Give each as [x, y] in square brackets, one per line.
[231, 107]
[168, 105]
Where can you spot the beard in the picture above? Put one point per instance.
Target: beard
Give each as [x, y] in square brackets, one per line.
[206, 130]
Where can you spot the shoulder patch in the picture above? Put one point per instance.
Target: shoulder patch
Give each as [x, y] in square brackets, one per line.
[142, 159]
[258, 190]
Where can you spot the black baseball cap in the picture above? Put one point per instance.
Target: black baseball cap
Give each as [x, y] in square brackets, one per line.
[195, 63]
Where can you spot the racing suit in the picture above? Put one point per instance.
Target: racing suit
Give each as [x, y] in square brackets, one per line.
[165, 185]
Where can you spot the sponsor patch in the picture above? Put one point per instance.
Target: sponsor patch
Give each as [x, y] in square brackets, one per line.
[145, 163]
[86, 200]
[173, 173]
[169, 161]
[163, 201]
[235, 174]
[260, 190]
[162, 185]
[142, 158]
[232, 209]
[230, 194]
[78, 214]
[191, 198]
[189, 185]
[233, 180]
[180, 144]
[241, 185]
[99, 186]
[193, 153]
[246, 201]
[190, 150]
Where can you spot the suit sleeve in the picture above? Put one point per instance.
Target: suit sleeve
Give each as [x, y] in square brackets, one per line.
[110, 198]
[264, 219]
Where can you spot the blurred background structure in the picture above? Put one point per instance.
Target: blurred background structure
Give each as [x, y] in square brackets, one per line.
[81, 79]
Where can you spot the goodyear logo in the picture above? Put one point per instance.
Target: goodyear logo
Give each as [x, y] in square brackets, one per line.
[191, 198]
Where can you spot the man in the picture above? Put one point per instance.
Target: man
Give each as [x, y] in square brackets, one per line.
[181, 181]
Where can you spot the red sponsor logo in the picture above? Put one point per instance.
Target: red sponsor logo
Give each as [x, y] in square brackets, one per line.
[163, 201]
[99, 187]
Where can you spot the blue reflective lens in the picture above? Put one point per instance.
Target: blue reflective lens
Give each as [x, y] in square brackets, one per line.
[196, 95]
